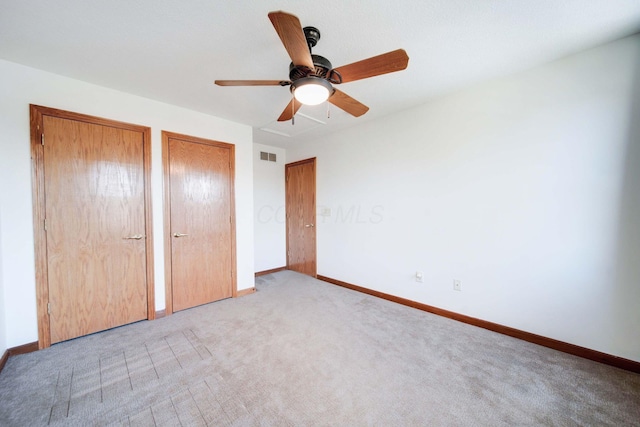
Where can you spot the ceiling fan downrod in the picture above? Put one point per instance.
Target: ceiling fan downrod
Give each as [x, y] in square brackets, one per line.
[312, 34]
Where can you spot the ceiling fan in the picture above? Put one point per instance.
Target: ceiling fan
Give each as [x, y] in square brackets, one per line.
[312, 76]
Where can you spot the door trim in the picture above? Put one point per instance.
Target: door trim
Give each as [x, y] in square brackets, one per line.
[38, 195]
[311, 160]
[166, 135]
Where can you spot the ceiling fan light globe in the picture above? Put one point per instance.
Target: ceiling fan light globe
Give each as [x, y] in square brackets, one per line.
[311, 94]
[311, 90]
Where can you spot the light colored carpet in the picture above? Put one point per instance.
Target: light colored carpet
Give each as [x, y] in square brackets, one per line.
[304, 352]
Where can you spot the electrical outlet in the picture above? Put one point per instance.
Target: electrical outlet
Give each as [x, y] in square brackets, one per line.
[419, 276]
[456, 285]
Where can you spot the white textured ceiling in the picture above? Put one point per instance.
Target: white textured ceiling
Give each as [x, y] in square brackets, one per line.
[172, 51]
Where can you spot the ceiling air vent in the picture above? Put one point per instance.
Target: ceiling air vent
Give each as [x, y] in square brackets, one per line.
[269, 157]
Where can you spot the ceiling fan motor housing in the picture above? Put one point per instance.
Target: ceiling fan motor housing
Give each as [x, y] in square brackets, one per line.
[321, 64]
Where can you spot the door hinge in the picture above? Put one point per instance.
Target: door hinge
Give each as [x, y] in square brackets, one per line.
[42, 138]
[48, 308]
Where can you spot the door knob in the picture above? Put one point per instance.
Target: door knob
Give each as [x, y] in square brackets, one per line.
[134, 237]
[308, 225]
[179, 235]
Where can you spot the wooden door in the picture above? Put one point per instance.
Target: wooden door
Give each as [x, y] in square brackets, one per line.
[200, 213]
[301, 216]
[93, 177]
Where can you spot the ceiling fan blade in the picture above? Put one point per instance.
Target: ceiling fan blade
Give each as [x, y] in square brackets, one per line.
[252, 83]
[389, 62]
[290, 31]
[290, 110]
[347, 103]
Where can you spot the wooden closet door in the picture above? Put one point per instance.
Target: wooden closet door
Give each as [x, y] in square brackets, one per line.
[201, 230]
[95, 227]
[301, 216]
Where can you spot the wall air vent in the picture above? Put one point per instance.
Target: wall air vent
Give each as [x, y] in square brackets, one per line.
[269, 157]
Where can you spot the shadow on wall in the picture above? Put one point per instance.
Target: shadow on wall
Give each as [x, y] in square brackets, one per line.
[626, 298]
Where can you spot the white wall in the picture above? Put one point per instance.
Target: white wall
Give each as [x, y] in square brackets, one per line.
[269, 214]
[3, 329]
[20, 86]
[525, 188]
